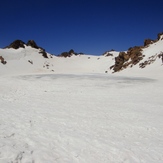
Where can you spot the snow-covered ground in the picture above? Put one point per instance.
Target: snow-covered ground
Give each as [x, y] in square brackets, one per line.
[80, 118]
[77, 113]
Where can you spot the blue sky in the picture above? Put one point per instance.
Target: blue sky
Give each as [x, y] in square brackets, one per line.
[88, 26]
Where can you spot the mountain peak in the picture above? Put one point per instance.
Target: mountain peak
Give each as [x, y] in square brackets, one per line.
[16, 44]
[33, 44]
[20, 44]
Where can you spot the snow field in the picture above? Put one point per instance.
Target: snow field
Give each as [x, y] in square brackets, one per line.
[69, 110]
[80, 118]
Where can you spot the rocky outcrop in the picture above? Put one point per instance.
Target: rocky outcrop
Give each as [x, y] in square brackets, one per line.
[108, 53]
[160, 56]
[134, 55]
[33, 44]
[2, 60]
[129, 58]
[159, 36]
[149, 61]
[147, 42]
[68, 54]
[20, 44]
[16, 44]
[65, 54]
[43, 52]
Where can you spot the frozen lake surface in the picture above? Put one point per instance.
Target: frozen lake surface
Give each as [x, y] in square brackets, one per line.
[80, 119]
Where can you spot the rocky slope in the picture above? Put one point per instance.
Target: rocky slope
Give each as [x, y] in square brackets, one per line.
[135, 55]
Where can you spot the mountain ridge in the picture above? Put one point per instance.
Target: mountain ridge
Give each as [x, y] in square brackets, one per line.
[19, 54]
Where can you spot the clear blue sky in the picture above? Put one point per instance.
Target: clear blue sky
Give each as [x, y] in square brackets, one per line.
[89, 26]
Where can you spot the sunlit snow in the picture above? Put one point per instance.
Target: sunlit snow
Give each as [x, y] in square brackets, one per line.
[77, 113]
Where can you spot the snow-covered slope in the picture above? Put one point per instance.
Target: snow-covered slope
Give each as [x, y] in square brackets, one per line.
[29, 60]
[18, 62]
[69, 110]
[23, 60]
[152, 61]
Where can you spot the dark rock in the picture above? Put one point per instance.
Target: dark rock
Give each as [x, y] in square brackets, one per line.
[20, 44]
[147, 42]
[71, 51]
[65, 54]
[33, 44]
[68, 54]
[44, 54]
[161, 56]
[108, 54]
[122, 60]
[159, 35]
[149, 61]
[16, 44]
[81, 53]
[2, 60]
[31, 62]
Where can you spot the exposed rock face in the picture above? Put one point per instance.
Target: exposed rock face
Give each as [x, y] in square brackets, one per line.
[135, 54]
[132, 57]
[107, 54]
[16, 44]
[149, 61]
[68, 54]
[159, 35]
[20, 44]
[147, 42]
[43, 52]
[33, 44]
[119, 61]
[2, 60]
[161, 56]
[65, 54]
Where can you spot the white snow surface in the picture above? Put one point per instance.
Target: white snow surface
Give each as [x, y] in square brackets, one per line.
[71, 111]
